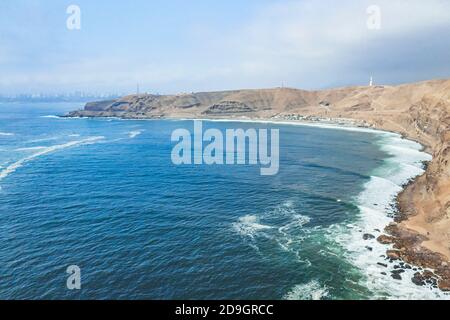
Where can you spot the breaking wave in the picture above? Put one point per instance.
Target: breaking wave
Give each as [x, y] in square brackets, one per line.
[43, 151]
[134, 134]
[377, 208]
[283, 225]
[249, 226]
[312, 290]
[51, 117]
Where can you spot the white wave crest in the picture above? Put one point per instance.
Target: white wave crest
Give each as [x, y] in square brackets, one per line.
[298, 221]
[309, 291]
[134, 134]
[51, 117]
[6, 134]
[282, 225]
[44, 139]
[376, 206]
[13, 167]
[249, 226]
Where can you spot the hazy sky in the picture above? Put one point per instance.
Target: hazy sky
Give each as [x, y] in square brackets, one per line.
[196, 45]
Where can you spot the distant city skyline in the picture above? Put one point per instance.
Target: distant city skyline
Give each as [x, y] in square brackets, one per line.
[55, 94]
[80, 93]
[55, 97]
[184, 46]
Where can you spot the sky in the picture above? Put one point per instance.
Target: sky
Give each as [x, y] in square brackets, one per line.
[175, 46]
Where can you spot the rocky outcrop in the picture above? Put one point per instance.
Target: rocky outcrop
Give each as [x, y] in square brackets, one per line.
[228, 107]
[384, 239]
[98, 105]
[408, 248]
[368, 236]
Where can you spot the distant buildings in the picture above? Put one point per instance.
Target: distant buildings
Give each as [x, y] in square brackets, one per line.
[77, 96]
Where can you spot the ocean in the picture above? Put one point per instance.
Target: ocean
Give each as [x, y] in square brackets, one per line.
[103, 194]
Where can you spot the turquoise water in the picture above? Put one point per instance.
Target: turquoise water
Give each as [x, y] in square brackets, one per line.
[103, 194]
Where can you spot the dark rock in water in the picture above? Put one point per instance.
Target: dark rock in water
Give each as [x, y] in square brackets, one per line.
[432, 282]
[397, 267]
[399, 271]
[382, 264]
[384, 273]
[396, 276]
[369, 248]
[407, 266]
[418, 279]
[427, 277]
[377, 230]
[368, 236]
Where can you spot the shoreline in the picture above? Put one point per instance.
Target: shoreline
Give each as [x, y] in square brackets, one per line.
[401, 245]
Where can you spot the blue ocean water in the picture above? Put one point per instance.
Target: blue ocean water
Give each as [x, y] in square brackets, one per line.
[104, 195]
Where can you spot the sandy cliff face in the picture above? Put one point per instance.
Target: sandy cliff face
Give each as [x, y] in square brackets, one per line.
[419, 111]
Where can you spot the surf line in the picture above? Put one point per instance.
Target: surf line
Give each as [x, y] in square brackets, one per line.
[210, 147]
[46, 150]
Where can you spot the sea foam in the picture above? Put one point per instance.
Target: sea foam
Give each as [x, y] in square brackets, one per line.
[249, 226]
[14, 166]
[283, 226]
[52, 117]
[377, 206]
[134, 134]
[312, 290]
